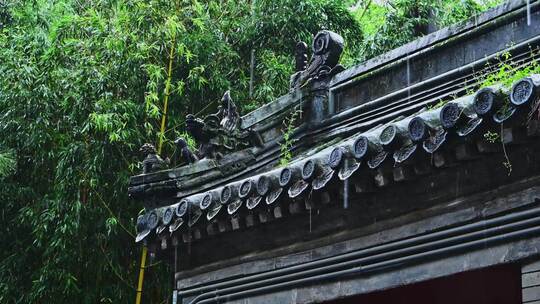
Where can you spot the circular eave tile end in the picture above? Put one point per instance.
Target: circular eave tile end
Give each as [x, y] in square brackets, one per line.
[168, 215]
[522, 91]
[141, 223]
[226, 194]
[335, 158]
[152, 220]
[418, 130]
[181, 210]
[263, 185]
[360, 147]
[245, 189]
[285, 177]
[483, 101]
[387, 135]
[308, 169]
[449, 115]
[206, 201]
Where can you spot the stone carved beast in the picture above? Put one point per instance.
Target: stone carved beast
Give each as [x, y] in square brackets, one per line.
[152, 161]
[216, 134]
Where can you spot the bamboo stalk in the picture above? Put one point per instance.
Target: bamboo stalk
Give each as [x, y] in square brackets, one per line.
[160, 146]
[166, 98]
[141, 275]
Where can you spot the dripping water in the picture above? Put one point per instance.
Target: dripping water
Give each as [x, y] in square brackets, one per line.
[346, 193]
[189, 231]
[310, 219]
[528, 12]
[175, 294]
[175, 258]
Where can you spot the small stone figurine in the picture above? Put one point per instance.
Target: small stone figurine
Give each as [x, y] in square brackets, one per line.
[152, 162]
[217, 134]
[184, 152]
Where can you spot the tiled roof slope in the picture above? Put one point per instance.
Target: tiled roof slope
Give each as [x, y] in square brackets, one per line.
[394, 118]
[397, 143]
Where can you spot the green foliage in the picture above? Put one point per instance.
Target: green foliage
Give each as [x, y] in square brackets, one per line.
[276, 70]
[397, 22]
[506, 72]
[82, 88]
[371, 18]
[437, 105]
[7, 163]
[491, 137]
[289, 126]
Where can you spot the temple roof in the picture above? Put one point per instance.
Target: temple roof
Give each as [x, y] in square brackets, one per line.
[403, 140]
[424, 107]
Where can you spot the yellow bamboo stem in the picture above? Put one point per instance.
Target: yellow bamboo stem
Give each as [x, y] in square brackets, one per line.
[166, 99]
[160, 145]
[141, 275]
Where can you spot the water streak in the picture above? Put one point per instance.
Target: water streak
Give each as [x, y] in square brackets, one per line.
[408, 79]
[310, 219]
[346, 194]
[528, 12]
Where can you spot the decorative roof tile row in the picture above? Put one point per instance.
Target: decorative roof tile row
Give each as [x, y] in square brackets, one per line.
[399, 140]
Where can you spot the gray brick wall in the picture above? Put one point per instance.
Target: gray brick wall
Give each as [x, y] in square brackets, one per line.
[530, 282]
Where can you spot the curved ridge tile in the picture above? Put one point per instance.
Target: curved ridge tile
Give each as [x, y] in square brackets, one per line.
[435, 141]
[273, 196]
[322, 179]
[297, 188]
[253, 202]
[233, 207]
[404, 153]
[349, 167]
[504, 114]
[377, 159]
[470, 126]
[178, 222]
[213, 212]
[194, 217]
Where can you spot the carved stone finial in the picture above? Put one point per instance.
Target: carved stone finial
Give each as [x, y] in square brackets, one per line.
[152, 162]
[327, 48]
